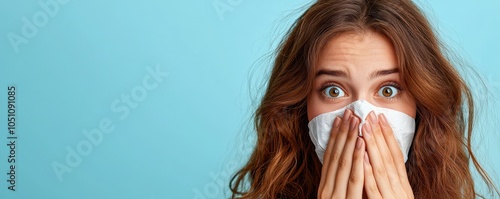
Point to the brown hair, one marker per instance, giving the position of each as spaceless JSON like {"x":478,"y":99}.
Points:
{"x":284,"y":164}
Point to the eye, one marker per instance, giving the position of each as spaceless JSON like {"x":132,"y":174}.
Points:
{"x":333,"y":92}
{"x":388,"y":91}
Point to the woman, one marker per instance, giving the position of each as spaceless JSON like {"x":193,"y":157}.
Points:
{"x":345,"y":54}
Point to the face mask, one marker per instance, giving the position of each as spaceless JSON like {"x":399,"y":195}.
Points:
{"x":402,"y":125}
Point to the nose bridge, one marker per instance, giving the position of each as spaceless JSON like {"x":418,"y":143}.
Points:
{"x":358,"y":86}
{"x":362,"y":94}
{"x":362,"y":98}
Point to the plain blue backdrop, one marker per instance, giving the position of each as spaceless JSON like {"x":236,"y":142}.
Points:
{"x":152,"y":99}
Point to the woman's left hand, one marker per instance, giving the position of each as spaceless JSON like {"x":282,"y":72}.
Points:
{"x":384,"y":167}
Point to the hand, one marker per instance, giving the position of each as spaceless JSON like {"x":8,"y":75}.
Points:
{"x":342,"y":172}
{"x":384,"y":168}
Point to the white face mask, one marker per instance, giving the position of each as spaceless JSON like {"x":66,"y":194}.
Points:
{"x":402,"y":125}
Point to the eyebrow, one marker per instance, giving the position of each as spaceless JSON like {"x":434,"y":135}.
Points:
{"x":335,"y":73}
{"x":339,"y":73}
{"x":384,"y":73}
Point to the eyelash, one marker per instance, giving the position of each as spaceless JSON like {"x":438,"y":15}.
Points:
{"x":326,"y":85}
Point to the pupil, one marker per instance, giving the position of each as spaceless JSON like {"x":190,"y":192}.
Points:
{"x":334,"y":92}
{"x":387,"y":92}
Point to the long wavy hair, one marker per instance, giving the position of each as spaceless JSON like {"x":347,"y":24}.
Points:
{"x":284,"y":163}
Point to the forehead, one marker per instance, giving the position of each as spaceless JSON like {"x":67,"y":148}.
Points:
{"x":357,"y":52}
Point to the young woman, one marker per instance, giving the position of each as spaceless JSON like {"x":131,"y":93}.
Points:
{"x":341,"y":58}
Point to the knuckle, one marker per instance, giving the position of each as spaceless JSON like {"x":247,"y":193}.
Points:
{"x":380,"y":171}
{"x":389,"y":160}
{"x":355,"y":157}
{"x":353,"y":179}
{"x":393,"y":178}
{"x":335,"y":156}
{"x":342,"y":163}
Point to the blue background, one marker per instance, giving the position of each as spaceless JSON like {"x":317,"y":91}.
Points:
{"x":185,"y":137}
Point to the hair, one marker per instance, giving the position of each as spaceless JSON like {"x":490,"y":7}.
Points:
{"x":284,"y":164}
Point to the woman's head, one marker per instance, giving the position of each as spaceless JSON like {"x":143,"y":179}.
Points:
{"x":358,"y":66}
{"x":364,"y":44}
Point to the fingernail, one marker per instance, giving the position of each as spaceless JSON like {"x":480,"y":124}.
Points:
{"x":383,"y":119}
{"x":336,"y":122}
{"x":373,"y":117}
{"x":354,"y":123}
{"x":368,"y":127}
{"x":347,"y":115}
{"x":358,"y":143}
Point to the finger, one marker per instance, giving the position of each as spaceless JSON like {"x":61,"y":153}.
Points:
{"x":370,"y":184}
{"x":345,"y":161}
{"x":336,"y":151}
{"x":386,"y":155}
{"x":376,"y":162}
{"x":392,"y":144}
{"x":331,"y":141}
{"x":379,"y":137}
{"x":326,"y":157}
{"x":396,"y":152}
{"x":356,"y":178}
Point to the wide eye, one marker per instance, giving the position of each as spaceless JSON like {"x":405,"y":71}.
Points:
{"x":333,"y":92}
{"x":388,"y":91}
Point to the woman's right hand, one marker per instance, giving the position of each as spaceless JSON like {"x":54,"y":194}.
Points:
{"x":342,"y":173}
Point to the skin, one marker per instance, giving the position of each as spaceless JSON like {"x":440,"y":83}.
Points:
{"x":352,"y":67}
